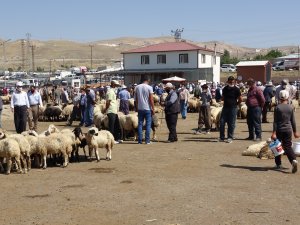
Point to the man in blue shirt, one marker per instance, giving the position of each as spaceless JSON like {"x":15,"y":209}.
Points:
{"x":124,"y":96}
{"x":35,"y":101}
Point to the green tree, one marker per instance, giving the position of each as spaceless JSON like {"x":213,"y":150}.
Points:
{"x":39,"y":69}
{"x":10,"y":70}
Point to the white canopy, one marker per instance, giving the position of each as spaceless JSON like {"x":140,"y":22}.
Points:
{"x":174,"y":79}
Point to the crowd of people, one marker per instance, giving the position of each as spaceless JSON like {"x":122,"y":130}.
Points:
{"x":257,"y":97}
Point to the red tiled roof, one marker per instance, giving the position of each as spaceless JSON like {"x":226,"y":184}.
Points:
{"x":169,"y":47}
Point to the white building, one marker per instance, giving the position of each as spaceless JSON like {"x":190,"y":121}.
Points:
{"x":165,"y":60}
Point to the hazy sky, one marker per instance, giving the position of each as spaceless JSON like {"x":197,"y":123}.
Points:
{"x":255,"y":23}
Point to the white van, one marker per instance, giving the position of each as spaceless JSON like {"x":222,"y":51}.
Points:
{"x":228,"y":68}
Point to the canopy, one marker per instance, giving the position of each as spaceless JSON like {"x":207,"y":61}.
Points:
{"x":174,"y":79}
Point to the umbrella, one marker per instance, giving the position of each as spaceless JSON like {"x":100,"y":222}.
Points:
{"x":174,"y":79}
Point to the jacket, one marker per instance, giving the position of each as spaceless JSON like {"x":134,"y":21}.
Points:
{"x":172,"y":104}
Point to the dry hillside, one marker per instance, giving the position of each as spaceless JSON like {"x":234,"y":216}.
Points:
{"x":105,"y":52}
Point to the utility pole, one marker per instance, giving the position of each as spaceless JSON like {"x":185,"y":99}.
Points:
{"x":23,"y":53}
{"x":298,"y":61}
{"x":32,"y":57}
{"x":91,"y":56}
{"x":28,"y":36}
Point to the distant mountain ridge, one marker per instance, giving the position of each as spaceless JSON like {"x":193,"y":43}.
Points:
{"x":58,"y":53}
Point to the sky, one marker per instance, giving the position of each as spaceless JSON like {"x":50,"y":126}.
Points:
{"x":255,"y":23}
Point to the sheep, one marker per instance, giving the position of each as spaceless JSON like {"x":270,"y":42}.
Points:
{"x":99,"y":139}
{"x":156,"y":99}
{"x":193,"y":105}
{"x":98,"y":117}
{"x":79,"y":136}
{"x":6,"y":99}
{"x":67,"y":111}
{"x":260,"y":150}
{"x":216,"y":116}
{"x":32,"y":138}
{"x":242,"y":110}
{"x":295,"y":104}
{"x":41,"y":113}
{"x":10,"y":148}
{"x":52,"y":112}
{"x":131,"y":104}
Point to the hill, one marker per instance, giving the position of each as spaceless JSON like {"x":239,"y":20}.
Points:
{"x":59,"y":54}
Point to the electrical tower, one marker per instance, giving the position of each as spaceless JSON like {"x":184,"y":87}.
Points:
{"x":23,"y":54}
{"x":177,"y":34}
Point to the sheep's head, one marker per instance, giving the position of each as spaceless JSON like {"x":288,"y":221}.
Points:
{"x":93,"y":131}
{"x":77,"y":131}
{"x":52,"y":129}
{"x":2,"y":134}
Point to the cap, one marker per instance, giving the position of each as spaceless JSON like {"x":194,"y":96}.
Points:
{"x":169,"y":85}
{"x":270,"y":83}
{"x":205,"y":86}
{"x":123,"y":86}
{"x":283,"y":94}
{"x":19,"y":84}
{"x":284,"y":82}
{"x":115,"y":82}
{"x":258,"y":83}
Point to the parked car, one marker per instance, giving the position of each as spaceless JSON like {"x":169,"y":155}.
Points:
{"x":228,"y":68}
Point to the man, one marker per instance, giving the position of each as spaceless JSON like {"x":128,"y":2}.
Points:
{"x":76,"y":108}
{"x":64,"y":97}
{"x":19,"y":106}
{"x":204,"y":112}
{"x":144,"y":105}
{"x":112,"y":111}
{"x":255,"y":102}
{"x":82,"y":104}
{"x":284,"y":86}
{"x":57,"y":95}
{"x":89,"y":107}
{"x":172,"y":108}
{"x":35,"y":101}
{"x":268,"y":94}
{"x":231,"y":96}
{"x":124,"y":96}
{"x":184,"y":96}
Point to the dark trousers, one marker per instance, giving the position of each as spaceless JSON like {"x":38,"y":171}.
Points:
{"x":286,"y":141}
{"x":82,"y":109}
{"x":254,"y":121}
{"x":124,"y":106}
{"x":265,"y":110}
{"x":75,"y":113}
{"x":204,"y":117}
{"x":171,"y":120}
{"x":228,"y":115}
{"x":114,"y":125}
{"x":20,"y":118}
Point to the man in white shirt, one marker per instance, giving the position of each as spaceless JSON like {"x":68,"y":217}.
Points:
{"x":19,"y":106}
{"x":35,"y":101}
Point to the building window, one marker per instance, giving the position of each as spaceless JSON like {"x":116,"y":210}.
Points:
{"x":183,"y":58}
{"x":161,"y":59}
{"x":145,"y":59}
{"x":203,"y":58}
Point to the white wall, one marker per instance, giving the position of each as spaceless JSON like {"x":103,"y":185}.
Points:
{"x":216,"y":70}
{"x":132,"y":61}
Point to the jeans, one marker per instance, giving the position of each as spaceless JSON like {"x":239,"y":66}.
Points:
{"x":89,"y":111}
{"x":228,"y":116}
{"x":82,"y":109}
{"x":144,"y":115}
{"x":183,"y":108}
{"x":114,"y":125}
{"x":286,"y":142}
{"x":254,"y":121}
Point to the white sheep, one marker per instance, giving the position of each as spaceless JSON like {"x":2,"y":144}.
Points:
{"x":10,"y":148}
{"x":99,"y":139}
{"x":216,"y":116}
{"x":295,"y":104}
{"x":260,"y":150}
{"x":67,"y":111}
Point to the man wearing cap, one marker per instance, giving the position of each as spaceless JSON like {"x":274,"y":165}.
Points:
{"x":35,"y":101}
{"x":124,"y":96}
{"x":112,"y":111}
{"x":284,"y":86}
{"x":255,"y":102}
{"x":283,"y":128}
{"x":19,"y":106}
{"x":144,"y":105}
{"x":172,"y":108}
{"x":231,"y":95}
{"x":268,"y":94}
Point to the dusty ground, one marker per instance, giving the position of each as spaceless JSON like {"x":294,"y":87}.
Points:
{"x":194,"y":181}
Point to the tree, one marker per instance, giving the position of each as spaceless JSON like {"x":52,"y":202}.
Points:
{"x":10,"y":70}
{"x":39,"y":69}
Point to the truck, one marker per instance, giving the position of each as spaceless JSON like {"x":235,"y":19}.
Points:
{"x":290,"y":64}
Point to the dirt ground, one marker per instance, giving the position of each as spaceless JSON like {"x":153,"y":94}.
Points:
{"x":194,"y":181}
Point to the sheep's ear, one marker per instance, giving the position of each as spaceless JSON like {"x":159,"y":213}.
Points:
{"x":96,"y":134}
